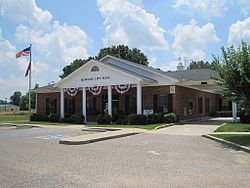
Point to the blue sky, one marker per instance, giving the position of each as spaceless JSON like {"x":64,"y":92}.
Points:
{"x":61,"y":31}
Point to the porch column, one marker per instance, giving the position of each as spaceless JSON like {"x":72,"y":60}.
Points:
{"x":84,"y":104}
{"x":234,"y":110}
{"x":62,"y":103}
{"x":110,"y":100}
{"x":139,"y":98}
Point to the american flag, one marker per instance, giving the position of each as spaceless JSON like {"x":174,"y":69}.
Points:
{"x":25,"y":52}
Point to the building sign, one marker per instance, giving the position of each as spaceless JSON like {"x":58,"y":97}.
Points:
{"x":172,"y":89}
{"x":148,"y":112}
{"x":95,"y":78}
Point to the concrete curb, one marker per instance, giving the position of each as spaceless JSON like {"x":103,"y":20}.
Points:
{"x":20,"y":126}
{"x":231,"y":144}
{"x":163,"y":126}
{"x":67,"y":142}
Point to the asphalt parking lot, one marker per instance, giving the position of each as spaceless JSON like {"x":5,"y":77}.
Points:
{"x":27,"y":159}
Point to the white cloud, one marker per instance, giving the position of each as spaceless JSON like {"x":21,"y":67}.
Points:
{"x":126,"y":22}
{"x":53,"y":44}
{"x":23,"y":11}
{"x":206,"y":8}
{"x":10,"y":82}
{"x":245,"y":7}
{"x":171,"y":66}
{"x":152,"y":61}
{"x":239,"y":31}
{"x":191,"y":40}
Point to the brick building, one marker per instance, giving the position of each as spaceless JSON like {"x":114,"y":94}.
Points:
{"x":113,"y":85}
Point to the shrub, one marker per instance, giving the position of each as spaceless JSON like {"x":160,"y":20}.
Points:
{"x":35,"y":117}
{"x":135,"y":119}
{"x":122,"y":121}
{"x":151,"y":119}
{"x":104,"y":119}
{"x":77,"y":119}
{"x":244,"y":117}
{"x":54,"y":117}
{"x":118,"y":116}
{"x":170,"y":118}
{"x":38,"y":117}
{"x":223,"y":114}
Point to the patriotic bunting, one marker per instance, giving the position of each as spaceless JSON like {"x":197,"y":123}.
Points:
{"x":123,"y":88}
{"x":71,"y":91}
{"x":96,"y":90}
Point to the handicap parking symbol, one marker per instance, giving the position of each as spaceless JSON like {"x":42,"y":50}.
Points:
{"x":47,"y":137}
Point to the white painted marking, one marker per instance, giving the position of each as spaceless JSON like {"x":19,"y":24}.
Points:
{"x":153,"y":152}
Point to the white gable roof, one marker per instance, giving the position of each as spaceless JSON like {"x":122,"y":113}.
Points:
{"x":114,"y":71}
{"x":139,"y":70}
{"x":107,"y":75}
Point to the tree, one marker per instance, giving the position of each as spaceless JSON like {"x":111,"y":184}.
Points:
{"x":200,"y":65}
{"x":15,"y":98}
{"x":120,"y":51}
{"x":233,"y":68}
{"x":73,"y":66}
{"x":123,"y":52}
{"x":24,"y":100}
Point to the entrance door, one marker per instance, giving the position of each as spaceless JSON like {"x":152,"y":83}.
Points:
{"x":115,"y":103}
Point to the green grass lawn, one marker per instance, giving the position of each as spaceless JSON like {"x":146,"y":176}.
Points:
{"x":13,"y":117}
{"x":23,"y":118}
{"x":148,"y":127}
{"x":234,"y":127}
{"x":236,"y":138}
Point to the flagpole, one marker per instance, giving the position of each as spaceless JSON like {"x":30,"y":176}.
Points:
{"x":30,"y":82}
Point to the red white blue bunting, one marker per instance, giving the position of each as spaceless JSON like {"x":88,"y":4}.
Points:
{"x":123,"y":88}
{"x":96,"y":90}
{"x":71,"y":91}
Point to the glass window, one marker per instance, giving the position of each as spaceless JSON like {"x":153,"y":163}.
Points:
{"x":94,"y":69}
{"x":161,"y":103}
{"x":130,"y":104}
{"x":69,"y":106}
{"x":207,"y":105}
{"x":190,"y":107}
{"x":51,"y":106}
{"x":200,"y":107}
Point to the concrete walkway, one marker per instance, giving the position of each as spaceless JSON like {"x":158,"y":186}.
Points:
{"x":194,"y":128}
{"x":100,"y":136}
{"x":245,"y":133}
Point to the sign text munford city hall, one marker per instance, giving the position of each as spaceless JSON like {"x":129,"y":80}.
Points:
{"x":95,"y":78}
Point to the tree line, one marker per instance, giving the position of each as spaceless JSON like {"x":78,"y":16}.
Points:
{"x":23,"y":100}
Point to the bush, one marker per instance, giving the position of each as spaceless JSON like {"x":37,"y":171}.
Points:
{"x":122,"y":121}
{"x":77,"y":119}
{"x":118,"y":116}
{"x":135,"y":119}
{"x":223,"y":114}
{"x":155,"y":118}
{"x":170,"y":118}
{"x":54,"y":118}
{"x":244,"y":117}
{"x":38,"y":117}
{"x":104,"y":119}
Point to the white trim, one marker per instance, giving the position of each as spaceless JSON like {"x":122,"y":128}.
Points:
{"x":110,"y":100}
{"x":84,"y":104}
{"x":58,"y":84}
{"x":139,"y":98}
{"x":62,"y":103}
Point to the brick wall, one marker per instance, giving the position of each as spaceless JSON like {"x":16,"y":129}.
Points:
{"x":184,"y":95}
{"x":41,"y":101}
{"x":180,"y":100}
